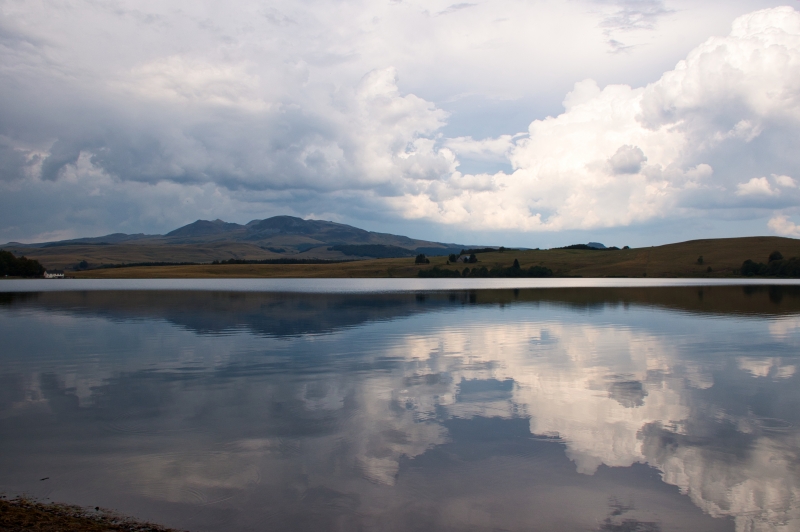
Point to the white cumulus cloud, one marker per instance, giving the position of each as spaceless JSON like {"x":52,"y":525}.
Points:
{"x":784,"y":226}
{"x":621,"y":155}
{"x":784,"y":181}
{"x":757,"y":185}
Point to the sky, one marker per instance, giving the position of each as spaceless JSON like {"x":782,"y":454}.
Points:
{"x":531,"y":123}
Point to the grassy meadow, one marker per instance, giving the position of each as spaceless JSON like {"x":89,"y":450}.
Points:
{"x":64,"y":257}
{"x":723,"y":256}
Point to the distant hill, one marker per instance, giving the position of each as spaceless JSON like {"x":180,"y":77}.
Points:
{"x":204,"y":228}
{"x":279,"y":237}
{"x":708,"y":258}
{"x":114,"y":238}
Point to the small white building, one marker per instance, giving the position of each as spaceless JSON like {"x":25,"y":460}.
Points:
{"x":54,"y":274}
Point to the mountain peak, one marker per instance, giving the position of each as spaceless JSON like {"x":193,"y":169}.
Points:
{"x":204,"y":228}
{"x":285,"y":225}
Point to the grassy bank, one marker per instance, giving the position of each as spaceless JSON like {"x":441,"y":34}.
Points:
{"x":723,"y":256}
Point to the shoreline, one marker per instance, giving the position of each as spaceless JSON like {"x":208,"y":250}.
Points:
{"x":364,"y":286}
{"x":22,"y":513}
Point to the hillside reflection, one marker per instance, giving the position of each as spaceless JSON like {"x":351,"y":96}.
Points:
{"x":288,"y":314}
{"x":605,"y":409}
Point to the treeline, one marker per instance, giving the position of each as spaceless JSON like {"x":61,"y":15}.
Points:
{"x":84,"y":266}
{"x":776,"y":266}
{"x":591,"y":248}
{"x":279,"y":261}
{"x":501,"y":249}
{"x":513,"y":271}
{"x":11,"y":266}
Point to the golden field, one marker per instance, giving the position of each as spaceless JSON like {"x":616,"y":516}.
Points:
{"x":724,"y":256}
{"x":65,"y":257}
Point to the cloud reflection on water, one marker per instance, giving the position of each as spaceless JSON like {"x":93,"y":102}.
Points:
{"x":440,"y":412}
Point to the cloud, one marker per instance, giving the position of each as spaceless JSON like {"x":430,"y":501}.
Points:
{"x":627,"y":160}
{"x":275,"y":111}
{"x":194,"y":81}
{"x":757,"y":185}
{"x":616,"y":46}
{"x":585,"y":168}
{"x":15,"y":163}
{"x":783,"y":226}
{"x":495,"y":149}
{"x":456,"y":7}
{"x":628,"y":16}
{"x":784,"y":181}
{"x":634,"y":14}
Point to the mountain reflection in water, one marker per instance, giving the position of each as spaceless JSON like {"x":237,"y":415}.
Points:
{"x":635,"y":409}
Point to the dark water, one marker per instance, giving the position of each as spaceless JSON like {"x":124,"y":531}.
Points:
{"x":616,"y":409}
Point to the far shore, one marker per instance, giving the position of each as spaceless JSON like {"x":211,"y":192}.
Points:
{"x":712,"y":258}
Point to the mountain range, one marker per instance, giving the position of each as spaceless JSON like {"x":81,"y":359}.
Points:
{"x":279,"y":237}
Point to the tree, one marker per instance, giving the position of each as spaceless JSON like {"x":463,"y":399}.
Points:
{"x":539,"y":271}
{"x":775,"y":255}
{"x":19,"y":267}
{"x":421,"y":259}
{"x":516,"y":265}
{"x":7,"y":263}
{"x":700,"y":259}
{"x":473,"y":259}
{"x":438,"y":272}
{"x":751,"y":268}
{"x":453,"y":257}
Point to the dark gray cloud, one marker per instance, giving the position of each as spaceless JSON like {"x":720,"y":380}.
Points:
{"x":627,"y":160}
{"x":12,"y":163}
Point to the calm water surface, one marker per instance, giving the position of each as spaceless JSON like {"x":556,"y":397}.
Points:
{"x":616,"y":409}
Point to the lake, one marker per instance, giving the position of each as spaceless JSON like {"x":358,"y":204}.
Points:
{"x":570,"y":405}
